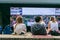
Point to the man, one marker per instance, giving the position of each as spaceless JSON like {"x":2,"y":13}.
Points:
{"x":38,"y":28}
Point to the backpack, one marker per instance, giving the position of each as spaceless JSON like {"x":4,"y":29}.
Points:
{"x":7,"y":30}
{"x":1,"y":29}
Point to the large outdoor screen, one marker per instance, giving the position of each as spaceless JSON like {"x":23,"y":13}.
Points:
{"x":29,"y":13}
{"x":34,"y":11}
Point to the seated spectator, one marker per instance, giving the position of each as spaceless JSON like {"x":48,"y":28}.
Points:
{"x":19,"y":27}
{"x":53,"y":27}
{"x":38,"y":28}
{"x":12,"y":22}
{"x":42,"y":21}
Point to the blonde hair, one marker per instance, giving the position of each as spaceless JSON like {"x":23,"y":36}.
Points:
{"x":19,"y":19}
{"x":53,"y":18}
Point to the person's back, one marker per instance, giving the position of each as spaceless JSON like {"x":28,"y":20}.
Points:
{"x":54,"y":26}
{"x":38,"y":29}
{"x":20,"y":28}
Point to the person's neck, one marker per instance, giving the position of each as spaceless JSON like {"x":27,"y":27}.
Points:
{"x":18,"y":23}
{"x":38,"y":22}
{"x":41,"y":20}
{"x":53,"y":21}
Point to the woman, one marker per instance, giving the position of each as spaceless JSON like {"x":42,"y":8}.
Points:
{"x":19,"y":27}
{"x":53,"y":27}
{"x":42,"y":21}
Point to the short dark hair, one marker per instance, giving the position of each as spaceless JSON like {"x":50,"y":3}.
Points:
{"x":37,"y":19}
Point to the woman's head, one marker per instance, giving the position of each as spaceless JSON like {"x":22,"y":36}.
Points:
{"x":19,"y":19}
{"x":53,"y":19}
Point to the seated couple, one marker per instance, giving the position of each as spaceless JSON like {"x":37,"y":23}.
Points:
{"x":39,"y":27}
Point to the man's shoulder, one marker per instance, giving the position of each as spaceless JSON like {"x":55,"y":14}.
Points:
{"x":38,"y":25}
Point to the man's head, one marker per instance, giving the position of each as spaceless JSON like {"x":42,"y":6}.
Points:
{"x":37,"y":19}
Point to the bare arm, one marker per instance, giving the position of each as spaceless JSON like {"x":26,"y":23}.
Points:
{"x":14,"y":26}
{"x":24,"y":28}
{"x":49,"y":29}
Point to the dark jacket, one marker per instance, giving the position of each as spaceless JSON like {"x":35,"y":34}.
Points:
{"x":38,"y":29}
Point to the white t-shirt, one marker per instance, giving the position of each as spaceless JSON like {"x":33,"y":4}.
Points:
{"x":54,"y":25}
{"x":20,"y":28}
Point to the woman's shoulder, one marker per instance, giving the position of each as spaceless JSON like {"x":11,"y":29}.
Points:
{"x":22,"y":24}
{"x":50,"y":21}
{"x":14,"y":24}
{"x":56,"y":22}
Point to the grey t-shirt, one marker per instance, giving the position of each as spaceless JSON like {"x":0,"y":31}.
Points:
{"x":38,"y":29}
